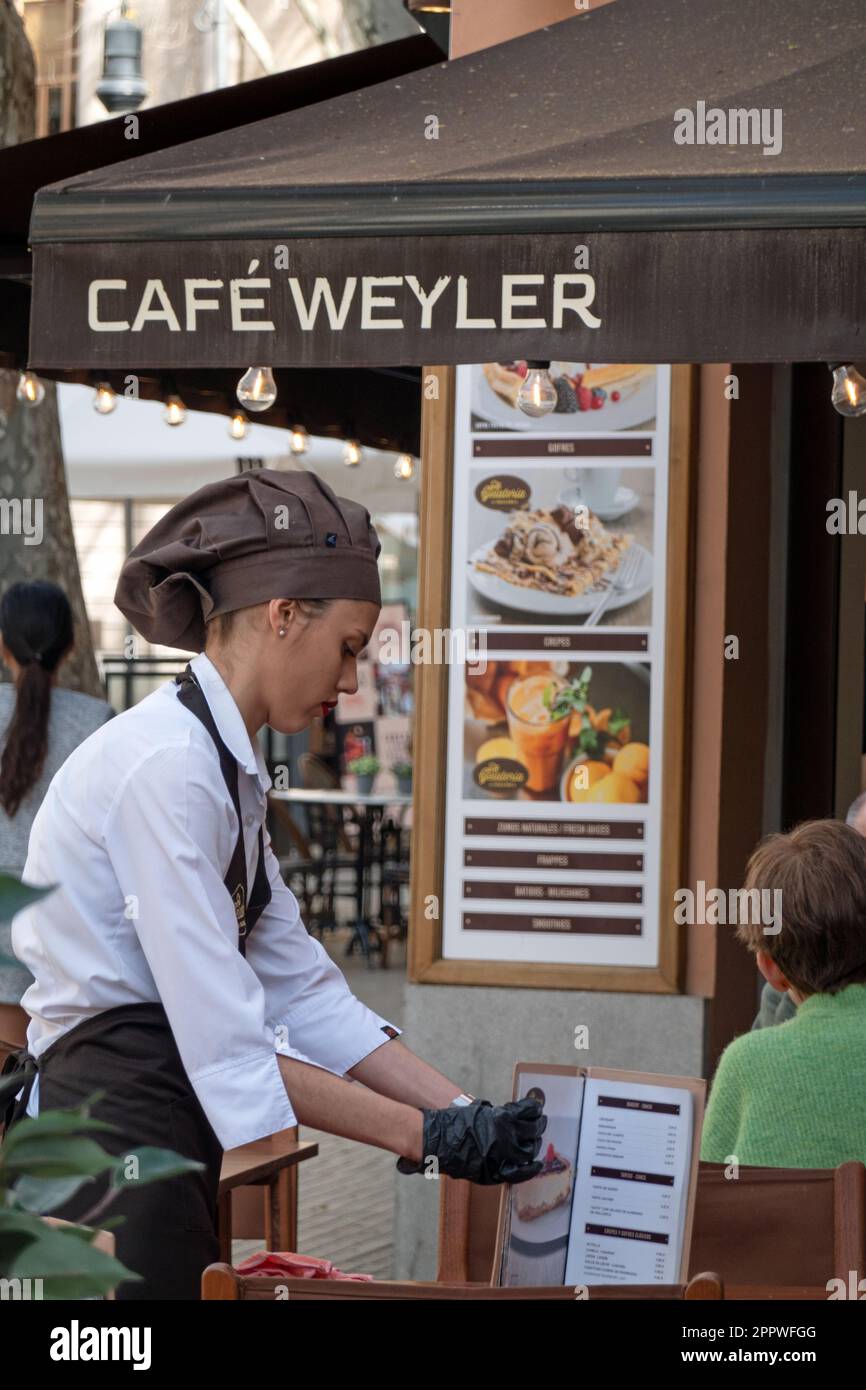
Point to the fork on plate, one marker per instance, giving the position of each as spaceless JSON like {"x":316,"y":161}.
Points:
{"x":624,"y":577}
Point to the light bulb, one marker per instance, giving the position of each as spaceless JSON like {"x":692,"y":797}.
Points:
{"x":352,"y":453}
{"x":104,"y":398}
{"x":239,"y":425}
{"x":300,"y":440}
{"x":849,"y":390}
{"x":30,"y":390}
{"x":175,"y":411}
{"x":257,"y":389}
{"x":404,"y":467}
{"x":537,"y":394}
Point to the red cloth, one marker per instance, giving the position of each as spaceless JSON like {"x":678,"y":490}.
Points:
{"x":291,"y":1266}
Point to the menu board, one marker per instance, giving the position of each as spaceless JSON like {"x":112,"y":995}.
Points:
{"x":553,"y":787}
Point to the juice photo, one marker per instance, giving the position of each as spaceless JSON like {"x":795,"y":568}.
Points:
{"x":539,"y":738}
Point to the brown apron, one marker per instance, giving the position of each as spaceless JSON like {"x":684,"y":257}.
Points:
{"x":169,"y":1233}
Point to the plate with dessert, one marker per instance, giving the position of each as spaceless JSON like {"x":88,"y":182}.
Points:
{"x":591,"y":396}
{"x":552,"y":561}
{"x":541,"y":1207}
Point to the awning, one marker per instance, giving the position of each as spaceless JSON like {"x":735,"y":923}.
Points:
{"x":382,"y":410}
{"x":562,"y":195}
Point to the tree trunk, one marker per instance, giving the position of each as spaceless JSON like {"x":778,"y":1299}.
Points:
{"x":36,"y":538}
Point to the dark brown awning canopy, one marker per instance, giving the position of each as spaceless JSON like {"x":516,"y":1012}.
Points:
{"x":561,"y":195}
{"x":381,"y":407}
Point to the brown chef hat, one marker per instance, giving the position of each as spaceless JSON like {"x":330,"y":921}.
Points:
{"x":242,"y":541}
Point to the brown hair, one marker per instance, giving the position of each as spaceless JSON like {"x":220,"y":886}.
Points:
{"x":820,"y":870}
{"x":36,"y":623}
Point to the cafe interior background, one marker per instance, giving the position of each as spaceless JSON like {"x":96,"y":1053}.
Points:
{"x":754,"y":741}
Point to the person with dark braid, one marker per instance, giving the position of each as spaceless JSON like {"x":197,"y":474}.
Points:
{"x":39,"y":727}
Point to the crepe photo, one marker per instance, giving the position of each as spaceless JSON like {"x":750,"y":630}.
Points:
{"x":569,"y":545}
{"x":591,"y":397}
{"x":558,"y":731}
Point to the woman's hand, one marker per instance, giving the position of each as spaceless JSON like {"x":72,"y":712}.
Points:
{"x":481,"y":1142}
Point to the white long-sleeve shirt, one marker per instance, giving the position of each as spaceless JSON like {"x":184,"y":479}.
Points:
{"x":138,"y":829}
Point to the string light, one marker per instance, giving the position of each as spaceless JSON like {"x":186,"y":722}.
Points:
{"x":299,"y":442}
{"x":175,"y":411}
{"x":104,"y":398}
{"x":404,"y":467}
{"x":537,"y":394}
{"x":849,"y":389}
{"x":257,"y":389}
{"x":30,"y":390}
{"x":352,"y":453}
{"x":239,"y":425}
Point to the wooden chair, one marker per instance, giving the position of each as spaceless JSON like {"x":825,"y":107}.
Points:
{"x":780,"y":1232}
{"x":220,"y":1281}
{"x":800,"y":1226}
{"x":270,"y":1163}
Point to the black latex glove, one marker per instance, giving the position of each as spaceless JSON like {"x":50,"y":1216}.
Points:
{"x":482,"y":1142}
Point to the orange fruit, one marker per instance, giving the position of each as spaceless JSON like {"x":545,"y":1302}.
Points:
{"x":498,"y":748}
{"x":633,"y":761}
{"x":614,"y":787}
{"x":583,"y":778}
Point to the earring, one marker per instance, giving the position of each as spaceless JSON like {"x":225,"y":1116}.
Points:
{"x":282,"y":632}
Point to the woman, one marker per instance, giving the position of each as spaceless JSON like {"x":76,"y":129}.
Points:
{"x":171,"y":966}
{"x":39,"y":728}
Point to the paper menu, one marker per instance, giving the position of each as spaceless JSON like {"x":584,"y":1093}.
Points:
{"x":614,"y":1202}
{"x":629,"y":1206}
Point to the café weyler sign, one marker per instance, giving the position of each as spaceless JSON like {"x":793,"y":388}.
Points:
{"x":362,"y":301}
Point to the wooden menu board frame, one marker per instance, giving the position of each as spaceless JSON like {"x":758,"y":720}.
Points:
{"x":426,"y":963}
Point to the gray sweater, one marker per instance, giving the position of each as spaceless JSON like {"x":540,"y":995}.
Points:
{"x":72,"y":719}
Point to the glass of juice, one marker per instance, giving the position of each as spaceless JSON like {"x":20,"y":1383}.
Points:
{"x":540,"y":738}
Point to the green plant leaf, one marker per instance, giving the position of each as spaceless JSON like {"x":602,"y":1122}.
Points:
{"x":153,"y":1166}
{"x":56,"y":1156}
{"x":16,"y":1231}
{"x":618,"y":721}
{"x":44,"y":1194}
{"x":15,"y":896}
{"x":566,"y":698}
{"x":67,"y":1264}
{"x":55,"y":1122}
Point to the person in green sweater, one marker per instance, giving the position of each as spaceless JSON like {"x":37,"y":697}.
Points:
{"x":776,"y":1005}
{"x":794,"y":1096}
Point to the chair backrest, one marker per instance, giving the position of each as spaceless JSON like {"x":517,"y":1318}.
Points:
{"x":769,"y":1226}
{"x":772,"y":1225}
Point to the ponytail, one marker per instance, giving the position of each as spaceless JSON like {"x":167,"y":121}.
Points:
{"x":36,"y":626}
